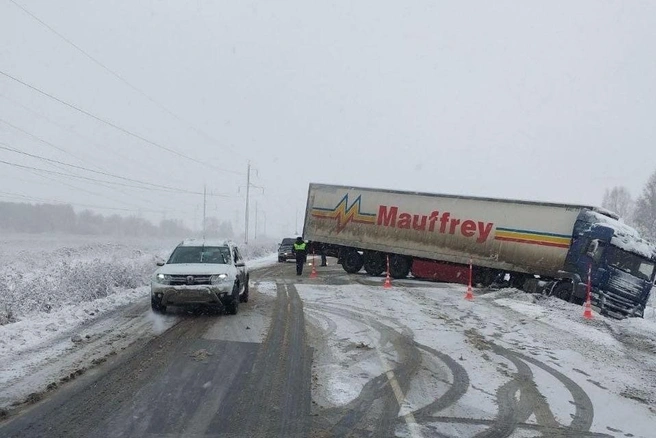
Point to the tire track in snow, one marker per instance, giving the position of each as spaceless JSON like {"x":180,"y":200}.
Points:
{"x":512,"y":415}
{"x":378,"y":405}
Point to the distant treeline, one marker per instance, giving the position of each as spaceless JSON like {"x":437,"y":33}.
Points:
{"x":51,"y":218}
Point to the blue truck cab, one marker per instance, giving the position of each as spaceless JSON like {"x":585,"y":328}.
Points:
{"x":621,"y":265}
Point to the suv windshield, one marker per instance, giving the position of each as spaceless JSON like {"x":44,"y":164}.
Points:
{"x":201,"y":254}
{"x":631,"y":263}
{"x":288,"y":241}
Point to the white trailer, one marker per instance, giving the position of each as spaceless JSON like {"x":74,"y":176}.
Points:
{"x":497,"y":235}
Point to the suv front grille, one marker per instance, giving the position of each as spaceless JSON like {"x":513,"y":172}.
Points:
{"x":177,"y":280}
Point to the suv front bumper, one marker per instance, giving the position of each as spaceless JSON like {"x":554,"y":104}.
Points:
{"x":197,"y":294}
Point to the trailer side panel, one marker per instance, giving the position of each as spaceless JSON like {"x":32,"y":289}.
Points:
{"x":502,"y":234}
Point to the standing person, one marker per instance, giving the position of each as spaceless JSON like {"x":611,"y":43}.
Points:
{"x":300,"y":251}
{"x":322,"y":252}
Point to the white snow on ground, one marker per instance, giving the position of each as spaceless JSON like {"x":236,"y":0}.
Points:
{"x":614,"y":362}
{"x":263,"y":261}
{"x":267,"y":288}
{"x":63,"y":303}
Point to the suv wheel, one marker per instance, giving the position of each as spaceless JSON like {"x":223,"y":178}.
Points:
{"x":233,"y":306}
{"x":244,"y":296}
{"x":157,"y":306}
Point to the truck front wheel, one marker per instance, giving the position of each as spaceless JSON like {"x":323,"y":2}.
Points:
{"x":399,"y":266}
{"x":563,"y":290}
{"x":352,"y":262}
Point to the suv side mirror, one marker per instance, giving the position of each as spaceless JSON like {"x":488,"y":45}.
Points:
{"x":160,"y":263}
{"x":240,"y":264}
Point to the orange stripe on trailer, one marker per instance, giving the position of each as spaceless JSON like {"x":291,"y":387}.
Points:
{"x":533,"y":242}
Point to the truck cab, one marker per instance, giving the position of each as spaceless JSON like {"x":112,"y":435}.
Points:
{"x":622,"y":265}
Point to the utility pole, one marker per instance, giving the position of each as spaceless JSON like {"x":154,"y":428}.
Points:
{"x":204,"y":207}
{"x":248,"y":195}
{"x":256,"y":222}
{"x":248,"y":189}
{"x":195,"y":224}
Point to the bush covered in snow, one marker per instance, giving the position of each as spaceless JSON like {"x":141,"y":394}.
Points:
{"x":258,"y":249}
{"x":69,"y":280}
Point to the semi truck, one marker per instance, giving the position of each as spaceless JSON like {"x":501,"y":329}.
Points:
{"x":542,"y":247}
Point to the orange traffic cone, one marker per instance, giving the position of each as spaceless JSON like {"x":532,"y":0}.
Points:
{"x":470,"y":294}
{"x":587,"y":313}
{"x":388,"y":282}
{"x":313,"y":274}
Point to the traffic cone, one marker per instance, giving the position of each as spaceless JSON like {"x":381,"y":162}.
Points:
{"x":313,"y":274}
{"x":388,"y":282}
{"x":470,"y":293}
{"x":587,"y":312}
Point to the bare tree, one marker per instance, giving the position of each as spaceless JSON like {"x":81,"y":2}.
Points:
{"x":618,"y":199}
{"x":645,"y":211}
{"x":216,"y":228}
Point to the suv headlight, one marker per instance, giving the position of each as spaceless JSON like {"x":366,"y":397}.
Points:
{"x":162,"y":279}
{"x":219,"y":278}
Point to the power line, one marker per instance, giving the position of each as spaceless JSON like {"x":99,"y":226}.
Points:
{"x":32,"y":198}
{"x":89,"y":191}
{"x":66,"y":128}
{"x":8,"y":148}
{"x":51,"y":178}
{"x":102,"y":181}
{"x":113,"y":125}
{"x":120,"y":78}
{"x":44,"y":141}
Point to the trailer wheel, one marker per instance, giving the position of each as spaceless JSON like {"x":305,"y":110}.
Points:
{"x":517,"y":280}
{"x":484,"y":276}
{"x":374,"y":263}
{"x":399,"y":266}
{"x":352,"y":262}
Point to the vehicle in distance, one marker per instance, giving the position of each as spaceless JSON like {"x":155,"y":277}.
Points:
{"x":285,"y":250}
{"x":201,"y":273}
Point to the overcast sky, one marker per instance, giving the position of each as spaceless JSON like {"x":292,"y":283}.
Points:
{"x":550,"y":101}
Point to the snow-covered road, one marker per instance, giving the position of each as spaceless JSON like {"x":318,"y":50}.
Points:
{"x":505,"y":364}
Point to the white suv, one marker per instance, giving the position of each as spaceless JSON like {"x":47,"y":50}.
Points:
{"x":201,"y":272}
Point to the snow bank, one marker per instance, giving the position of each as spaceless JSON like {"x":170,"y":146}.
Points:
{"x":39,"y":328}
